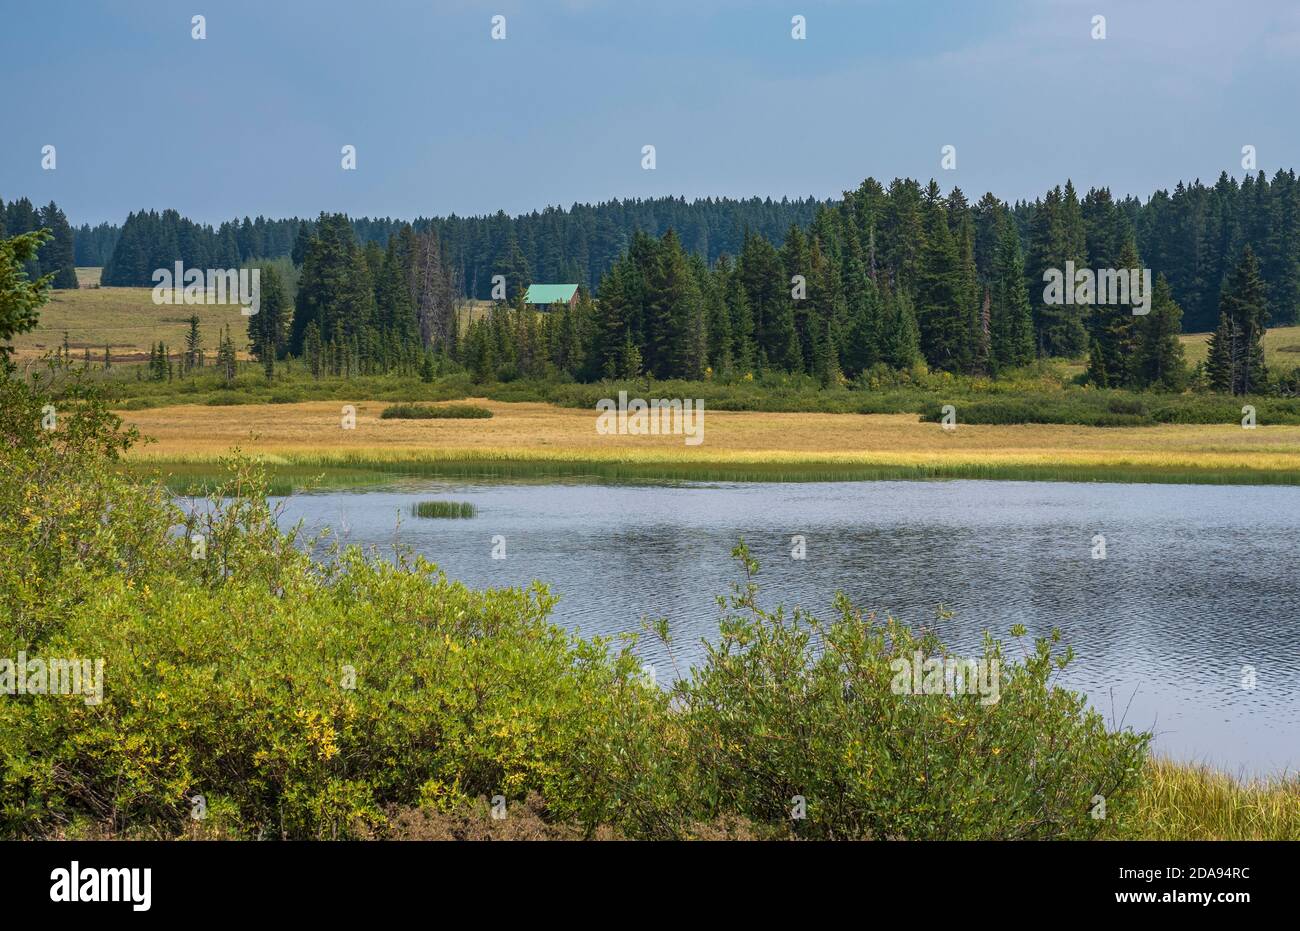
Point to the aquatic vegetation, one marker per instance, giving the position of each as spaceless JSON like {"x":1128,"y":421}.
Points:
{"x":455,"y":509}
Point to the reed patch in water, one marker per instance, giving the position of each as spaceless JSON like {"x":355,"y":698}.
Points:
{"x":450,"y":509}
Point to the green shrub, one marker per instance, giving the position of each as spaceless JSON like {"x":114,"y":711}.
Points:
{"x":788,"y":706}
{"x":1127,"y":405}
{"x":311,"y":696}
{"x":426,"y":412}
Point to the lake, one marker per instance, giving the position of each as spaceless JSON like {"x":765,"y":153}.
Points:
{"x":1197,"y":581}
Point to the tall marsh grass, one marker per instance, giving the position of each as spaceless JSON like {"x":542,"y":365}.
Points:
{"x":439,"y":464}
{"x":1179,"y":801}
{"x":451,"y":509}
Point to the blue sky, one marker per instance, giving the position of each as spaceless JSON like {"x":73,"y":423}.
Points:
{"x":251,"y":120}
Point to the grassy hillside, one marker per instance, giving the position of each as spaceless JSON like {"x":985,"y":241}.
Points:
{"x":129,"y":321}
{"x":125,"y":319}
{"x":1281,"y":347}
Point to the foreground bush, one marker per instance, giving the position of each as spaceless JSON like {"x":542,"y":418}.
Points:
{"x":790,"y":706}
{"x":278,"y":696}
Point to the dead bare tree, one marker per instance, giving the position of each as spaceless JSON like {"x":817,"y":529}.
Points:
{"x":434,"y":292}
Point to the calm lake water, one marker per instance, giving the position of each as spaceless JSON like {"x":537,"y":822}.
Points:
{"x":1198,"y":581}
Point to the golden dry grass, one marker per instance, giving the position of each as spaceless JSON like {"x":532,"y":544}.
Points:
{"x":125,"y":319}
{"x":523,"y":432}
{"x":129,"y":321}
{"x":1281,"y":347}
{"x":1189,"y":802}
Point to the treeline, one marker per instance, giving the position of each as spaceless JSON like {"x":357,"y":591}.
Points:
{"x":579,"y":245}
{"x":150,"y":240}
{"x":1196,"y":235}
{"x":56,"y":256}
{"x":95,"y":244}
{"x":885,"y":278}
{"x":573,"y":246}
{"x":1193,"y":236}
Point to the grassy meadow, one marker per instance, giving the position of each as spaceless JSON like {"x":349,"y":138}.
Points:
{"x":776,"y":430}
{"x":529,"y":438}
{"x":124,"y":319}
{"x":1281,"y":347}
{"x":129,"y":322}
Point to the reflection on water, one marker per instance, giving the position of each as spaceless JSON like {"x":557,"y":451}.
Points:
{"x":1198,"y":582}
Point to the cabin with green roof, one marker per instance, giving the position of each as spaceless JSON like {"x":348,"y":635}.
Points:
{"x":542,"y":296}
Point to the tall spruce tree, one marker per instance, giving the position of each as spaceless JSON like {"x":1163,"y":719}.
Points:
{"x":1058,"y":327}
{"x":942,"y":293}
{"x":1235,"y":363}
{"x":1113,"y":327}
{"x":1160,"y":361}
{"x":20,"y":296}
{"x":268,"y":329}
{"x":1011,"y":325}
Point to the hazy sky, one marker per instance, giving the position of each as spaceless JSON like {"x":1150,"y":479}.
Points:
{"x":251,"y":120}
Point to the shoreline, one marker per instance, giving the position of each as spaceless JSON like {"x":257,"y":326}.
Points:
{"x":338,"y":471}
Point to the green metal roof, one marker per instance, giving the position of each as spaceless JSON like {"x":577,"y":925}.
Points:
{"x":550,"y":293}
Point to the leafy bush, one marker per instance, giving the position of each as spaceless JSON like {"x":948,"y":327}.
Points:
{"x":789,"y":706}
{"x":445,"y":412}
{"x":1093,"y":408}
{"x":312,"y":697}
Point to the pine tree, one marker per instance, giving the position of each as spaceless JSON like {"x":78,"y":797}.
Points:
{"x":613,"y":323}
{"x":941,"y":292}
{"x":512,"y":263}
{"x":795,"y":260}
{"x":226,"y":359}
{"x":1058,"y":328}
{"x":863,"y":341}
{"x":677,"y":345}
{"x":902,"y":344}
{"x":20,"y":297}
{"x":1236,"y":358}
{"x":767,"y":292}
{"x":268,"y":329}
{"x":740,"y":316}
{"x":1160,"y":352}
{"x":1113,"y":330}
{"x":1011,"y":327}
{"x":313,"y":350}
{"x":193,"y":342}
